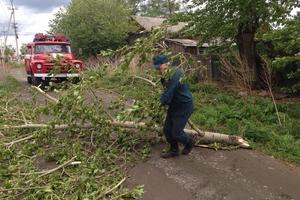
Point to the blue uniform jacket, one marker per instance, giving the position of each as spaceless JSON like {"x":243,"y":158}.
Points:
{"x":176,"y":94}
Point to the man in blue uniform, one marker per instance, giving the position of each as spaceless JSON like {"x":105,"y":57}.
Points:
{"x":178,"y":97}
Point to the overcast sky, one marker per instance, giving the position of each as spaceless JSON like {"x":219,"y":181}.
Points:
{"x":32,"y":16}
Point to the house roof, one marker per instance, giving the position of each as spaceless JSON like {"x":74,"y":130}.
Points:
{"x":152,"y":22}
{"x":187,"y":42}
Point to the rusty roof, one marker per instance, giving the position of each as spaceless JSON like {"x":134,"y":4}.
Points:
{"x":187,"y":42}
{"x":153,"y":22}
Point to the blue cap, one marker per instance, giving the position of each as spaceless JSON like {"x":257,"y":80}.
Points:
{"x":158,"y":60}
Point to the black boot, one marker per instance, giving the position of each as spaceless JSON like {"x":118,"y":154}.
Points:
{"x":169,"y":154}
{"x":188,"y":147}
{"x":173,"y":152}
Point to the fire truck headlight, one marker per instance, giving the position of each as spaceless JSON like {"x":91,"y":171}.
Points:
{"x":77,"y":65}
{"x":39,"y":66}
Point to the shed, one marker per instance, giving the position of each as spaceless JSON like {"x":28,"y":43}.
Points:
{"x":199,"y":54}
{"x":187,"y":46}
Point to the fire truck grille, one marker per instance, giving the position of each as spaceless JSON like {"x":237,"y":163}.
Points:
{"x":63,"y":68}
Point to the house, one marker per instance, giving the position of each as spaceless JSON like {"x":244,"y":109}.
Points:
{"x":146,"y":24}
{"x":187,"y":46}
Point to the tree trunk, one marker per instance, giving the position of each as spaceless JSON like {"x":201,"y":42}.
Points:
{"x":205,"y":136}
{"x":247,"y":50}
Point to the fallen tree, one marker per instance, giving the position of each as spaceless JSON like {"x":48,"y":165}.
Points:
{"x":204,"y":136}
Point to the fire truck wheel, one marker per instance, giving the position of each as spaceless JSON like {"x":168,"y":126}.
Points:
{"x":75,"y":80}
{"x":63,"y":79}
{"x":29,"y":80}
{"x":36,"y":81}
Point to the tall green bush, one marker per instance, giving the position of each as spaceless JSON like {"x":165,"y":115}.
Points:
{"x":282,"y":46}
{"x":93,"y":25}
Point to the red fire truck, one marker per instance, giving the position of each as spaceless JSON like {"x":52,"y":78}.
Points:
{"x":49,"y":57}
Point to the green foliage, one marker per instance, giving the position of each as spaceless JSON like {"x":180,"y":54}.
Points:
{"x":225,"y":24}
{"x":135,"y":5}
{"x":153,"y":8}
{"x":104,"y":150}
{"x":9,"y":50}
{"x":23,"y":48}
{"x":160,"y":8}
{"x":253,"y":118}
{"x":225,"y":20}
{"x":282,"y":47}
{"x":93,"y":25}
{"x":145,"y":48}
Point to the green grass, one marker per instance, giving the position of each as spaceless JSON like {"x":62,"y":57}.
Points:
{"x":253,"y":118}
{"x":8,"y":85}
{"x":15,"y":64}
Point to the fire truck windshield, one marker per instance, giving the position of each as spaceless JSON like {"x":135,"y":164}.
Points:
{"x":52,"y":48}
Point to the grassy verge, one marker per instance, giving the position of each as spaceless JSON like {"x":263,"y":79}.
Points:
{"x":253,"y":118}
{"x":16,"y":64}
{"x":8,"y":85}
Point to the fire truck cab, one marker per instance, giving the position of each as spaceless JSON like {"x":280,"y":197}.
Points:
{"x":49,"y":57}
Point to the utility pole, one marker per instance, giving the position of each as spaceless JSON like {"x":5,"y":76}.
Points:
{"x":14,"y":25}
{"x":2,"y":48}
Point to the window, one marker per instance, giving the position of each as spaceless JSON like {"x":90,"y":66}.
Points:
{"x":52,"y":48}
{"x":202,"y":51}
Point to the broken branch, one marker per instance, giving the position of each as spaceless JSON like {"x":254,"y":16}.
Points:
{"x":57,"y":168}
{"x":18,"y":141}
{"x":112,"y":189}
{"x":145,"y":79}
{"x":54,"y":100}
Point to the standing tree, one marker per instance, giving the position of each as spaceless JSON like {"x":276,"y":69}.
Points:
{"x":160,"y":8}
{"x":135,"y":5}
{"x":23,"y":49}
{"x":9,"y":52}
{"x":281,"y":47}
{"x":93,"y":25}
{"x":236,"y":22}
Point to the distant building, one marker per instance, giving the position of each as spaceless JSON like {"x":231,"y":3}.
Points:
{"x":187,"y":46}
{"x":146,"y":24}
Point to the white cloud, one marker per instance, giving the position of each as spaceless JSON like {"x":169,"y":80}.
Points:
{"x":295,"y":11}
{"x":39,"y":5}
{"x":30,"y":23}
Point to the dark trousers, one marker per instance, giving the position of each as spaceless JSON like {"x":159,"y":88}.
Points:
{"x":174,"y":125}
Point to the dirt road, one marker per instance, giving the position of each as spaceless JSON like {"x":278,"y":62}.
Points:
{"x":215,"y":175}
{"x":212,"y":175}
